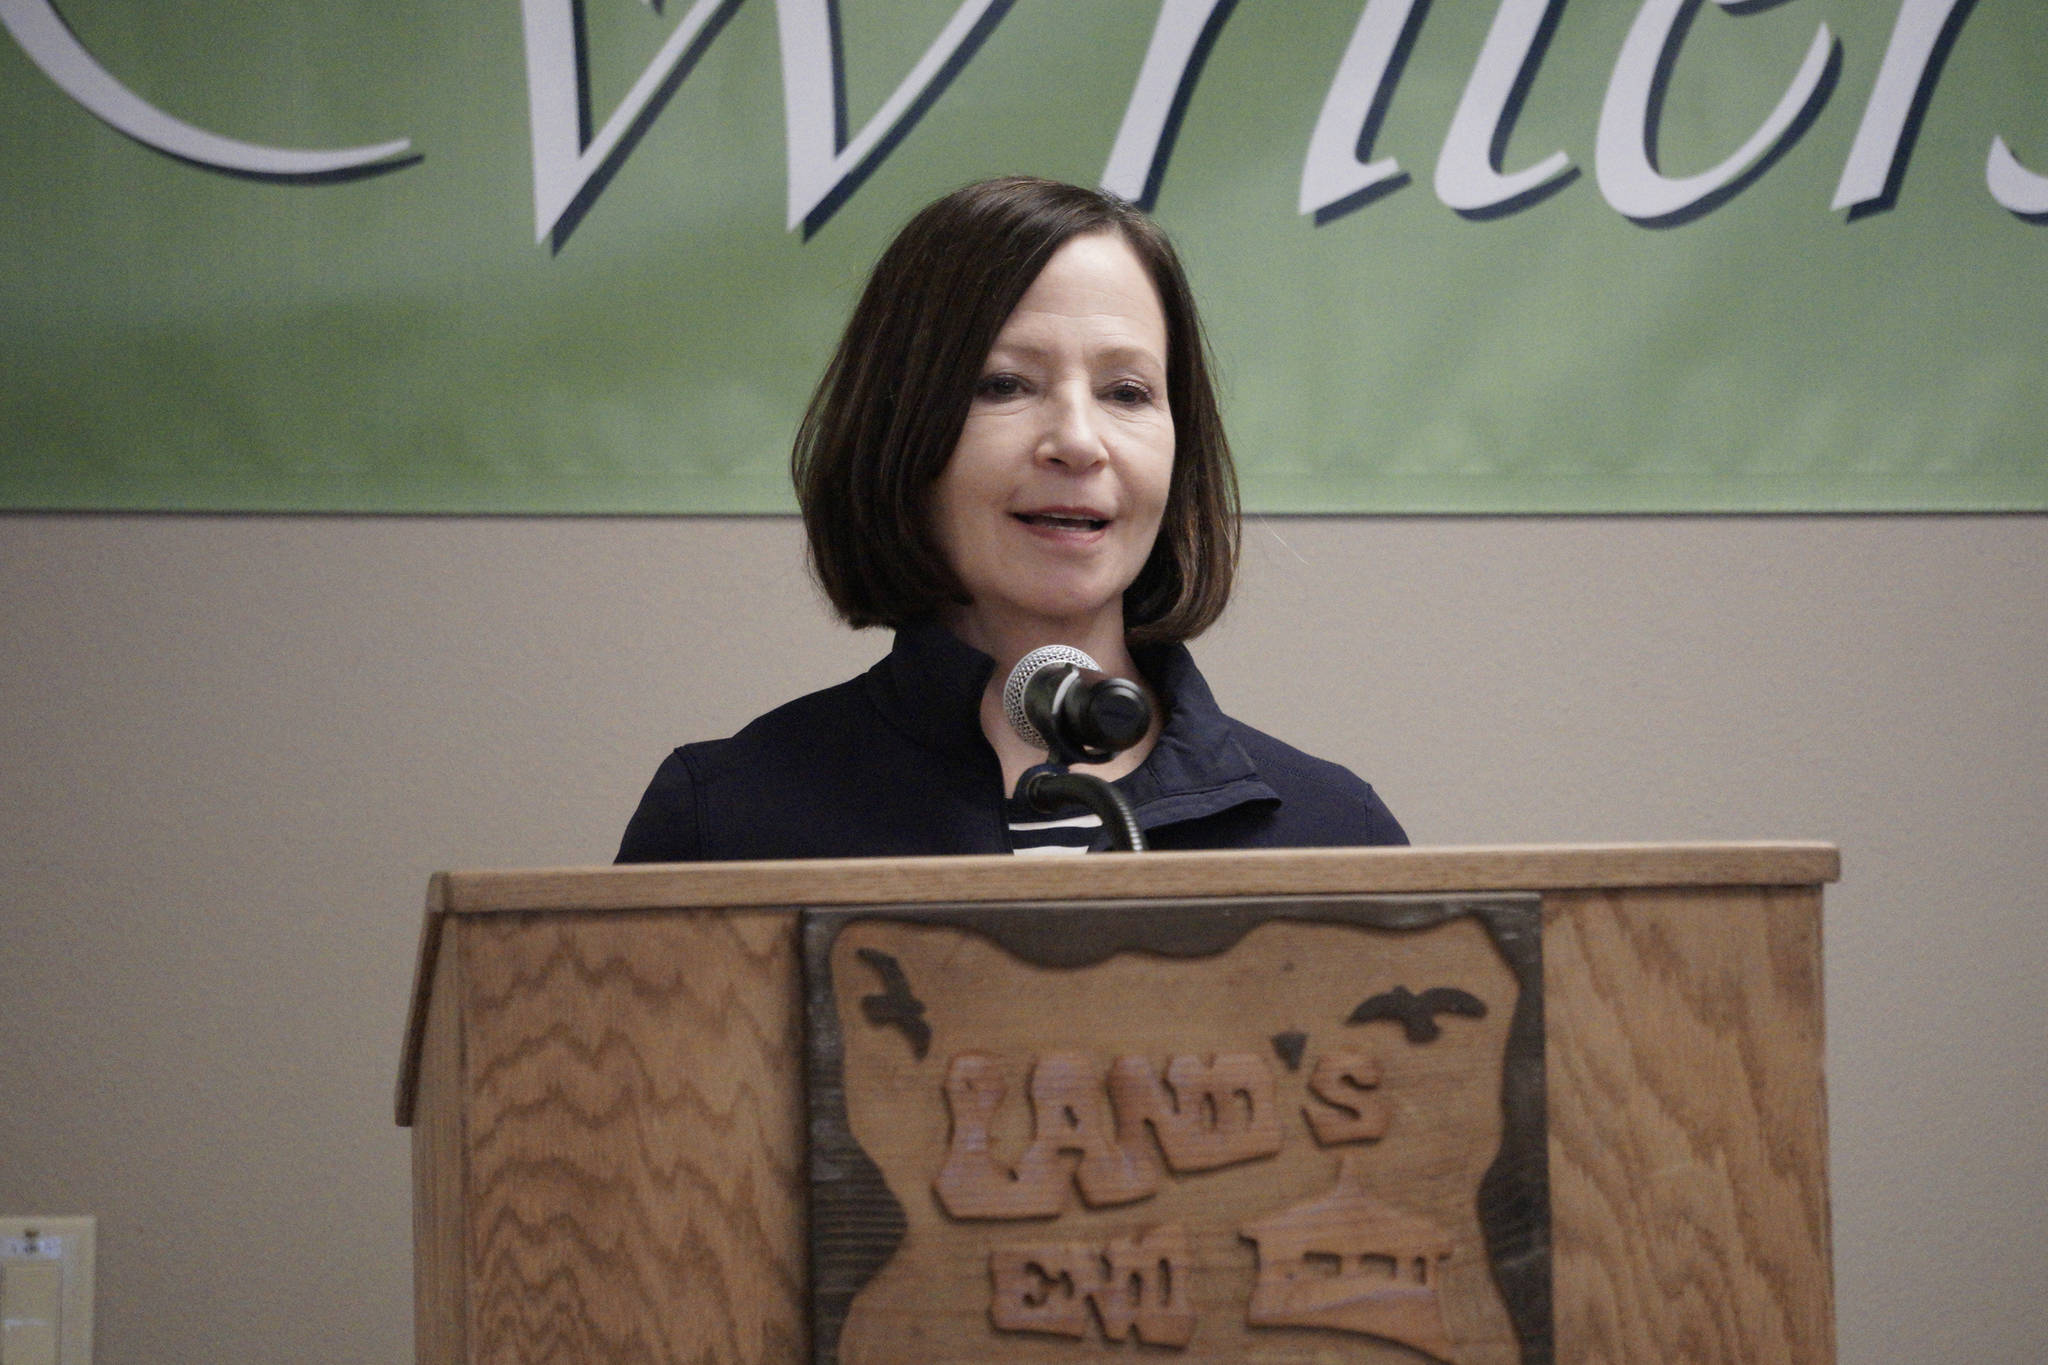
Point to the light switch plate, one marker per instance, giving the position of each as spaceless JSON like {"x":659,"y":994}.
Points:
{"x":46,"y":1291}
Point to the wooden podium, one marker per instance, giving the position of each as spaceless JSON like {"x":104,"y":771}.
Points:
{"x":1482,"y":1106}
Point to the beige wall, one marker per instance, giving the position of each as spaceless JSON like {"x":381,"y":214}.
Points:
{"x":235,"y":748}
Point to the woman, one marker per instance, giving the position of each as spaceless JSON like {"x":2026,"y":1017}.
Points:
{"x":1016,"y":445}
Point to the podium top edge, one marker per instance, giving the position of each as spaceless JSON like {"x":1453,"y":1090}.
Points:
{"x":1260,"y":872}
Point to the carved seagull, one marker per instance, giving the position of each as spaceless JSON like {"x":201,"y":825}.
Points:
{"x":1417,"y":1013}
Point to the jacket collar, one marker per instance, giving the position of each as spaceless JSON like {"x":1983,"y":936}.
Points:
{"x":930,"y":688}
{"x":1198,"y":767}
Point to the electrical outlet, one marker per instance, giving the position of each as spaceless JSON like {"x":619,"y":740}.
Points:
{"x":46,"y":1291}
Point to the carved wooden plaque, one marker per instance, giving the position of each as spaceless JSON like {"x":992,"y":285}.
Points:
{"x":1244,"y":1131}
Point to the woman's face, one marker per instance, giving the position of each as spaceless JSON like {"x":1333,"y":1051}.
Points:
{"x":1052,"y":499}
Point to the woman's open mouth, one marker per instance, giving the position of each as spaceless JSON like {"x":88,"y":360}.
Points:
{"x":1061,"y":521}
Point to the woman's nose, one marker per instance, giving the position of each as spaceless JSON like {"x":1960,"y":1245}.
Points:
{"x":1073,"y":432}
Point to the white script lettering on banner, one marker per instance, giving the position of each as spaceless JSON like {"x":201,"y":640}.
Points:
{"x":1137,"y":160}
{"x":50,"y":44}
{"x":823,"y":170}
{"x":825,"y":166}
{"x":1333,"y":175}
{"x":1625,"y":160}
{"x":1907,"y":68}
{"x":1468,"y":177}
{"x":2013,"y":185}
{"x":566,"y":173}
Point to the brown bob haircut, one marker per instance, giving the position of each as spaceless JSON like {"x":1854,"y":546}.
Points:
{"x":889,"y":411}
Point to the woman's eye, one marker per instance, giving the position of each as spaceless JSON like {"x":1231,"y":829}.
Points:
{"x":1130,"y":393}
{"x":999,"y":386}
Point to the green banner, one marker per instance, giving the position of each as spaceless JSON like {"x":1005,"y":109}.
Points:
{"x":551,"y":256}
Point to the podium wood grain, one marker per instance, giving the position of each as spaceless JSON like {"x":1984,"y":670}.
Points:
{"x":1688,"y":1126}
{"x":603,"y":1076}
{"x":633,"y":1141}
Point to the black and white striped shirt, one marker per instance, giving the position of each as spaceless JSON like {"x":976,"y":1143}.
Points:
{"x":1036,"y":836}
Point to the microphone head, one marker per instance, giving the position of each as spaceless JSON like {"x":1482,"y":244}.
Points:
{"x":1029,"y":667}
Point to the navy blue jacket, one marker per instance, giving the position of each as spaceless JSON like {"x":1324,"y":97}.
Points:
{"x":894,"y":763}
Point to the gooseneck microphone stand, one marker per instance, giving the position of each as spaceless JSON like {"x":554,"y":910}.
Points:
{"x":1057,"y":697}
{"x":1045,"y":787}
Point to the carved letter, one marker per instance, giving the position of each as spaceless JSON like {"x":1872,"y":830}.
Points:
{"x":1043,"y":1288}
{"x":566,"y":173}
{"x":1334,"y":175}
{"x":1148,"y":1288}
{"x":1217,"y":1113}
{"x":1071,"y":1114}
{"x":1139,"y":1284}
{"x":1345,"y":1081}
{"x":50,"y":44}
{"x":1180,"y":44}
{"x":1877,"y":159}
{"x":1626,"y":162}
{"x":1468,"y":176}
{"x":971,"y":1184}
{"x":824,"y":168}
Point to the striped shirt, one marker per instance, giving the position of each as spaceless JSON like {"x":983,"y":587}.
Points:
{"x":1036,"y":836}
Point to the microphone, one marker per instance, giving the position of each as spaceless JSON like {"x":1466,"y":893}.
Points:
{"x":1058,"y":699}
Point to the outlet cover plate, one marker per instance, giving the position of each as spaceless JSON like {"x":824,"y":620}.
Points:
{"x":29,"y":1247}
